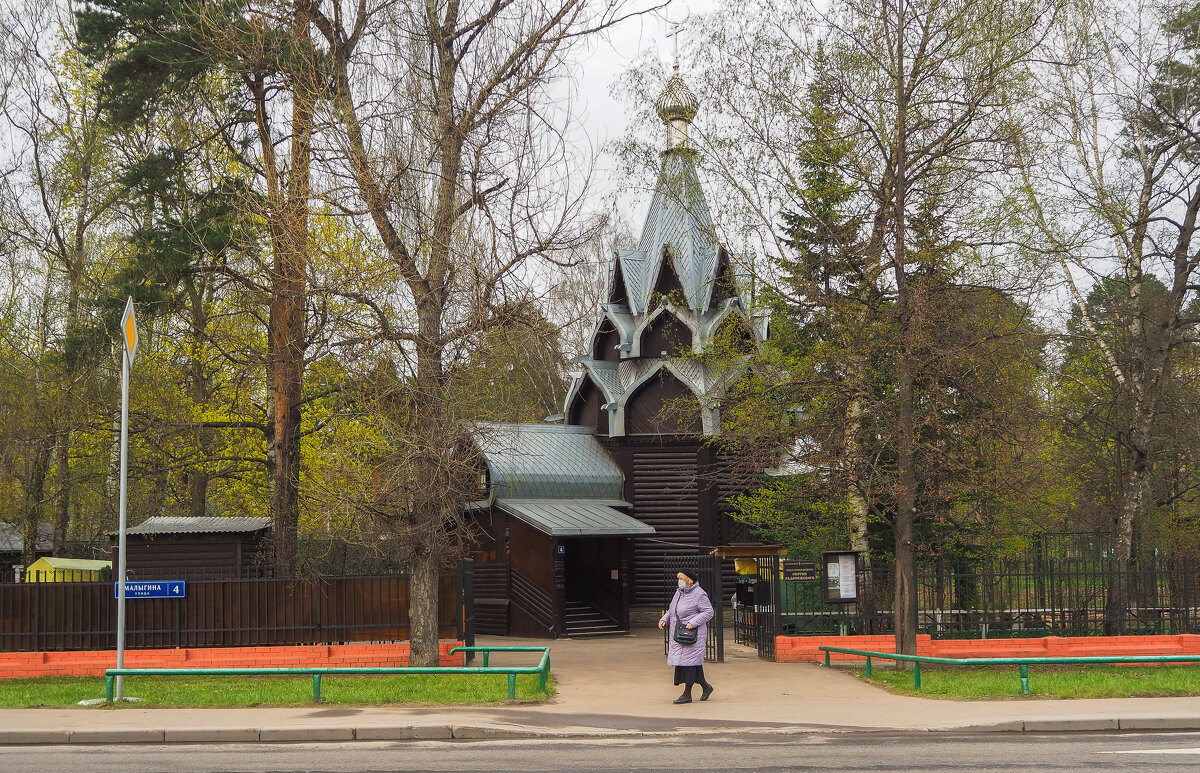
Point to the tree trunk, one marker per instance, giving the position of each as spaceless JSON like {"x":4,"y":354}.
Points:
{"x":905,"y":604}
{"x":1133,"y":504}
{"x":62,"y":499}
{"x":35,"y":494}
{"x":290,"y":243}
{"x":423,"y":583}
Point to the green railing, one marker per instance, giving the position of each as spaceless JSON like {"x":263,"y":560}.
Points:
{"x":542,"y":669}
{"x":1022,"y":664}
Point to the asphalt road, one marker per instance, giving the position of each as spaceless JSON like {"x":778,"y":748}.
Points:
{"x":742,"y":752}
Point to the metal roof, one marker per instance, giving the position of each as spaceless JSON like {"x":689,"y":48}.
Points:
{"x":574,"y":518}
{"x":547,"y":461}
{"x":678,"y":219}
{"x":180,"y":524}
{"x":11,"y":542}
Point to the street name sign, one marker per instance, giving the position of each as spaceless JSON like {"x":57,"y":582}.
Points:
{"x":157,"y":589}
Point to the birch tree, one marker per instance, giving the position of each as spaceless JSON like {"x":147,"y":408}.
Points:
{"x":1114,"y":192}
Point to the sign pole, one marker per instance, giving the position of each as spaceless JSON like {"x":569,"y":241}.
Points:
{"x":129,"y":338}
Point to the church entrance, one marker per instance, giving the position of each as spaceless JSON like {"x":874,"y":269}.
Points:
{"x":595,"y":571}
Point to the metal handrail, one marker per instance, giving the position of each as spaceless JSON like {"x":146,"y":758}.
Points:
{"x":1022,"y":664}
{"x":542,"y":669}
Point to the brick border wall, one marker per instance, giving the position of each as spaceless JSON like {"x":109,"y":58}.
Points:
{"x":25,"y":665}
{"x":803,"y":649}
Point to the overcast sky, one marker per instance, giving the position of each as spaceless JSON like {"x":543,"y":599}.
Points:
{"x":604,"y":117}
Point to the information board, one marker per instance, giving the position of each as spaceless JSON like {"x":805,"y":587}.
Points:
{"x":841,"y":576}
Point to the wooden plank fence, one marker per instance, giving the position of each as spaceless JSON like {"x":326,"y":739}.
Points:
{"x":41,"y":616}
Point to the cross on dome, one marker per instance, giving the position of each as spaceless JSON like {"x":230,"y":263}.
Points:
{"x":677,"y":105}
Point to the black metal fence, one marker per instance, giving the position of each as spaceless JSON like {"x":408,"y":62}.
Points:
{"x":1035,"y":596}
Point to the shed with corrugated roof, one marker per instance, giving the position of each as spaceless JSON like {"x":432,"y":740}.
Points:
{"x":196,"y":548}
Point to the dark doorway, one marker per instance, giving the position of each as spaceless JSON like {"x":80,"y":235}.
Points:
{"x":594,"y":593}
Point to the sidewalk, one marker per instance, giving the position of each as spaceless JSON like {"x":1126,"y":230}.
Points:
{"x":612,"y":687}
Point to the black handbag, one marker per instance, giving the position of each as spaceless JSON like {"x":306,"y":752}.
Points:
{"x":685,"y":635}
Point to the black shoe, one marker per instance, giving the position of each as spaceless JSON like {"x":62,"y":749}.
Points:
{"x":707,"y":692}
{"x":682,"y":699}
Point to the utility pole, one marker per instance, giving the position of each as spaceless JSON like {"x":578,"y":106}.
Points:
{"x":129,"y":339}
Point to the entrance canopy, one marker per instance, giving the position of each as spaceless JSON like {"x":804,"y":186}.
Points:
{"x":574,"y":518}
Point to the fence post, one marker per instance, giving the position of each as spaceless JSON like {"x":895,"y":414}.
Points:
{"x":776,"y":602}
{"x":466,"y":604}
{"x":718,"y":599}
{"x":37,"y":615}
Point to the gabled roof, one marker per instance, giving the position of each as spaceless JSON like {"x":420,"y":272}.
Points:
{"x":69,"y":564}
{"x":547,"y":461}
{"x":181,"y":524}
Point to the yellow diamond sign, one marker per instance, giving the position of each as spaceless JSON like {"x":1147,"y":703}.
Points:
{"x":129,"y":331}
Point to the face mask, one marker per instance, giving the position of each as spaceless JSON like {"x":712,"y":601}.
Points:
{"x":682,"y":584}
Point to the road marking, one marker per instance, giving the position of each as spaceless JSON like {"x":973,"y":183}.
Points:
{"x":1195,"y":750}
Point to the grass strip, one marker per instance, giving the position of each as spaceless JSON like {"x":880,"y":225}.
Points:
{"x":241,"y":691}
{"x":1001,"y":682}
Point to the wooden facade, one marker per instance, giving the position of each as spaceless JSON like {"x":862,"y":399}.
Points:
{"x":219,"y":613}
{"x":196,"y":548}
{"x":651,"y":404}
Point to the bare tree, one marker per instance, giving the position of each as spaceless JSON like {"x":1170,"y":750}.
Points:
{"x":452,"y":141}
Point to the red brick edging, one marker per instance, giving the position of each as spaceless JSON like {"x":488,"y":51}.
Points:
{"x":799,"y":649}
{"x":23,"y":665}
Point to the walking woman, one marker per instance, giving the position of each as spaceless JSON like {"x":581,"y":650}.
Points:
{"x":691,"y":608}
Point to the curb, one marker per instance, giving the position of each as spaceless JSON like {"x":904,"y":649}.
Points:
{"x":318,"y":734}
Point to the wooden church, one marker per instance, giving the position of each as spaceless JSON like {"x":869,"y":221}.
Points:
{"x":577,"y":519}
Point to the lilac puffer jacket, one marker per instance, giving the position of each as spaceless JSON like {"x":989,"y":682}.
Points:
{"x":690,"y":605}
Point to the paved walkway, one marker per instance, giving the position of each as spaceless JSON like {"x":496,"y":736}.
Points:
{"x":613,"y":687}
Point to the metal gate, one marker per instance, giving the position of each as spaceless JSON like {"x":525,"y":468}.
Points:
{"x":708,"y":571}
{"x":756,"y":607}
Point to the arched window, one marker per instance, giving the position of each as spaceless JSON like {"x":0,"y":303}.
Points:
{"x":732,"y":336}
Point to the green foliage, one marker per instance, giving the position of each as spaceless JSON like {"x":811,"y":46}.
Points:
{"x":513,"y":371}
{"x":795,"y":511}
